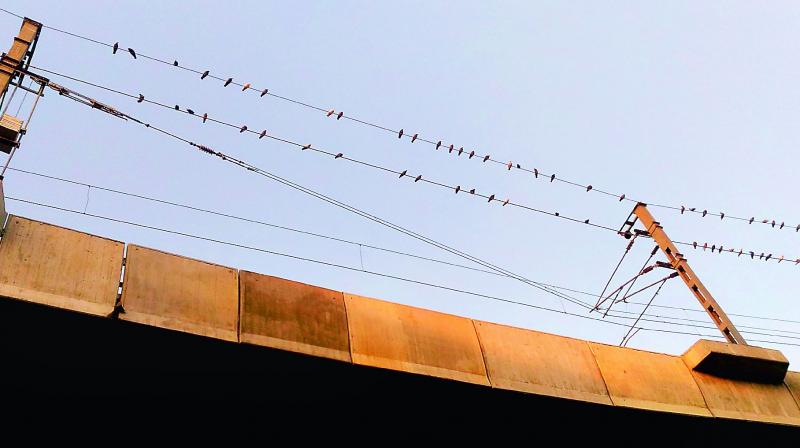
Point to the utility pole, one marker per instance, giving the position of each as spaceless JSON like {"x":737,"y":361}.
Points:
{"x":13,"y":66}
{"x":681,"y":266}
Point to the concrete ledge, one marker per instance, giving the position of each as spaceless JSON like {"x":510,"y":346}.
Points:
{"x":738,"y":362}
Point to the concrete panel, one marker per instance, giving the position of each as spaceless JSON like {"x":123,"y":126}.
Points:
{"x":398,"y":337}
{"x":59,"y":267}
{"x":180,"y":293}
{"x":541,"y":363}
{"x":770,"y":403}
{"x":653,"y":381}
{"x":793,"y":383}
{"x":293,"y":316}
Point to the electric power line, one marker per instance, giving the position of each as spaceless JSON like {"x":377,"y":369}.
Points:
{"x":403,"y":174}
{"x":538,"y":174}
{"x":375,"y":273}
{"x":363,"y":244}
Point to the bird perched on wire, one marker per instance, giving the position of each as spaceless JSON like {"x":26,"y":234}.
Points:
{"x":175,"y":63}
{"x":264,"y":92}
{"x":622,"y":197}
{"x":115,"y":48}
{"x":205,"y":117}
{"x":458,"y":188}
{"x":438,"y":144}
{"x":400,"y":134}
{"x":133,"y":53}
{"x":588,"y":188}
{"x":552,"y":177}
{"x":414,"y":138}
{"x":337,"y":156}
{"x":203,"y":76}
{"x":228,"y":82}
{"x":418,"y":178}
{"x":340,"y":115}
{"x":141,"y":98}
{"x":245,"y":86}
{"x":485,"y":158}
{"x":403,"y":173}
{"x":491,"y":198}
{"x":263,"y":134}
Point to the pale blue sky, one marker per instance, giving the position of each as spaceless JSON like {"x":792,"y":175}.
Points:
{"x":690,"y":103}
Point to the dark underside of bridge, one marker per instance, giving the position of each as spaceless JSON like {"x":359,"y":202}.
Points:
{"x":49,"y":353}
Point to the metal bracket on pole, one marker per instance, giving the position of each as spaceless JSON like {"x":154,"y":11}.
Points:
{"x":685,"y":272}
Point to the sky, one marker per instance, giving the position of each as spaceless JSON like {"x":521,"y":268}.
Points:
{"x":681,"y":103}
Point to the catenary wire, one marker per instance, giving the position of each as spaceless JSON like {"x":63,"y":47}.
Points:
{"x":780,"y":225}
{"x":375,"y":273}
{"x":354,"y":243}
{"x":94,"y":104}
{"x":764,"y":255}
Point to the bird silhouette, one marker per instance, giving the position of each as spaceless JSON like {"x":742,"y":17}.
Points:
{"x":245,"y":86}
{"x":133,"y":53}
{"x":228,"y":82}
{"x":203,"y":76}
{"x":115,"y":48}
{"x":264,"y":92}
{"x":263,"y":134}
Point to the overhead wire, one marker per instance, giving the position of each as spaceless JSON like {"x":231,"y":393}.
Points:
{"x":351,"y":242}
{"x":224,"y":157}
{"x":413,"y":137}
{"x":402,"y":174}
{"x":331,"y":153}
{"x":374,"y":273}
{"x":82,"y":99}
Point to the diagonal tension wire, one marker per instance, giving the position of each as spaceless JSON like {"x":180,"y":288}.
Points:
{"x":227,"y":158}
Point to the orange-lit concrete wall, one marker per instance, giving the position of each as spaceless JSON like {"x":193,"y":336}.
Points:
{"x":62,"y":268}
